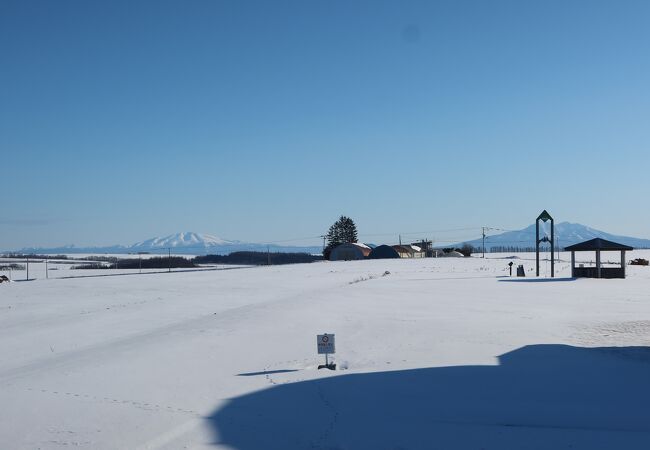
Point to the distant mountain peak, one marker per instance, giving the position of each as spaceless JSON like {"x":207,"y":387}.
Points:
{"x":186,"y":242}
{"x":183,"y":239}
{"x":566,"y":233}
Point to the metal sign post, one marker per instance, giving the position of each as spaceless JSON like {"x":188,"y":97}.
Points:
{"x":325,"y":346}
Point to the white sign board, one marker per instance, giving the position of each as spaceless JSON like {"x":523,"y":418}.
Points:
{"x":325,"y":343}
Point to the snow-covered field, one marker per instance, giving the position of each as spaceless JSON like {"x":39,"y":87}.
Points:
{"x":433,"y":354}
{"x":65,"y":268}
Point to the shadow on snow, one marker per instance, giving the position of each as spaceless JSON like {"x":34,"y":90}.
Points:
{"x":537,"y":280}
{"x":266,"y":372}
{"x":538,"y":397}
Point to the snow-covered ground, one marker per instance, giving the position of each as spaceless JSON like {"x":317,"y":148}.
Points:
{"x":443,"y":353}
{"x":65,"y":268}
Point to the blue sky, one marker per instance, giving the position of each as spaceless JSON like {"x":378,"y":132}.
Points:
{"x":265,"y":121}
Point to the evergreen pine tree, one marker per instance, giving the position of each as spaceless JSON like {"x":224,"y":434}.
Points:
{"x":343,"y":231}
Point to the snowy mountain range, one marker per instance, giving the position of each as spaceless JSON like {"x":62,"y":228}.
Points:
{"x":566,"y":234}
{"x":201,"y":244}
{"x":189,"y":242}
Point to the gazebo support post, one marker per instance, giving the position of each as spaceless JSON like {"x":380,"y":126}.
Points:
{"x":537,"y":247}
{"x":623,"y":262}
{"x":598,"y":263}
{"x":552,"y":249}
{"x":573,"y":264}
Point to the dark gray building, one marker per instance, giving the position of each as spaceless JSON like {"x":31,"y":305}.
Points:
{"x":383,"y":252}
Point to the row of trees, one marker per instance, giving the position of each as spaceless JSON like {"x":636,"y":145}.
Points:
{"x":157,"y":262}
{"x":33,"y":256}
{"x":257,"y":258}
{"x":516,"y":249}
{"x":175,"y":262}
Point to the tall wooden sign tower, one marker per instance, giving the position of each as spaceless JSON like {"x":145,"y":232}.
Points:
{"x":545,"y":216}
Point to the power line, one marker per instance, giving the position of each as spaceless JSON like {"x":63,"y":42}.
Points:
{"x":485,"y":233}
{"x":419,"y":232}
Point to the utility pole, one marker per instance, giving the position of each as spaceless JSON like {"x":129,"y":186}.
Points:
{"x":483,"y":228}
{"x":47,"y":275}
{"x":268,"y":255}
{"x":169,"y":259}
{"x":140,"y":259}
{"x":27,"y":268}
{"x":400,"y":239}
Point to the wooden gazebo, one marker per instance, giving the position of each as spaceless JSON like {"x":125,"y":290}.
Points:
{"x":598,"y":245}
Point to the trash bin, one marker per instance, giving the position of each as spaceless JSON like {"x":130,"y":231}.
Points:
{"x":520,"y":271}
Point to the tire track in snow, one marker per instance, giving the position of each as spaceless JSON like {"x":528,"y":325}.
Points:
{"x":114,"y":401}
{"x":104,"y":350}
{"x":164,"y":439}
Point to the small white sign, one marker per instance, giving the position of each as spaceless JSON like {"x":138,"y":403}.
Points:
{"x":325,"y":343}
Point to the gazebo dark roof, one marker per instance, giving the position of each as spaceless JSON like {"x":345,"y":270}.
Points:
{"x":597,"y":244}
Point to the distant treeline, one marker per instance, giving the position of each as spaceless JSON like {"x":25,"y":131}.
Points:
{"x":59,"y":257}
{"x":175,"y":262}
{"x":513,"y":249}
{"x":157,"y":262}
{"x":32,"y":256}
{"x":12,"y":266}
{"x":258,"y":258}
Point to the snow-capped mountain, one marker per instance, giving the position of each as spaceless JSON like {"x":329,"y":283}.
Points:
{"x":566,"y":234}
{"x":188,"y":242}
{"x":185,"y":239}
{"x":197,"y":243}
{"x":200,"y":244}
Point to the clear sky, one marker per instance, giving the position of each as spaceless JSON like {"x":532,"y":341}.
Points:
{"x":264,"y":121}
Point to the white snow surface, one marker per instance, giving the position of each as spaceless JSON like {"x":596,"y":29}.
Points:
{"x":439,"y":353}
